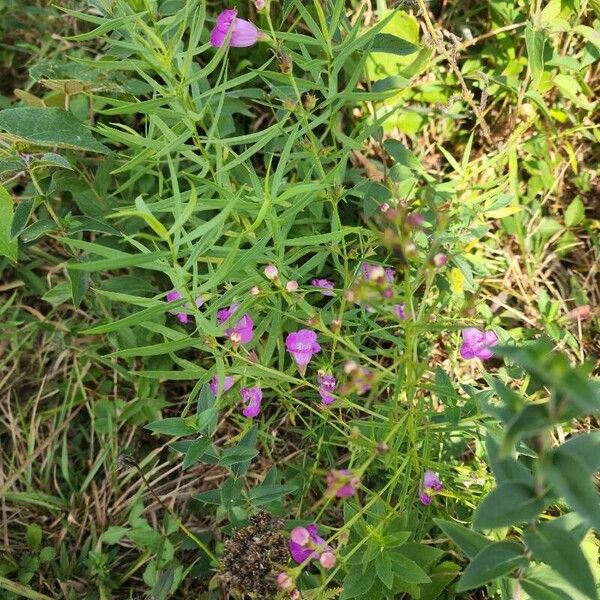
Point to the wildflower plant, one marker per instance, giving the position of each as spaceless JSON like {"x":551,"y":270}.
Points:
{"x":346,"y":368}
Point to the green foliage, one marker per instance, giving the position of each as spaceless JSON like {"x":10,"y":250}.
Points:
{"x":136,"y":159}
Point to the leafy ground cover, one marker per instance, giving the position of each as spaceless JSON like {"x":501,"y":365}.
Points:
{"x":299,"y":302}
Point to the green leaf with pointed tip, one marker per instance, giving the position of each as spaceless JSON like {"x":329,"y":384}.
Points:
{"x":560,"y":549}
{"x":469,"y":541}
{"x":510,"y":503}
{"x":493,"y":561}
{"x":48,"y":127}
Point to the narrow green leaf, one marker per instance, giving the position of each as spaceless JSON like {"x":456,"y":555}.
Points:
{"x":8,"y":246}
{"x":172,"y":426}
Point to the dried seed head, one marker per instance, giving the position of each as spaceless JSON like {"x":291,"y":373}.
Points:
{"x":253,"y":557}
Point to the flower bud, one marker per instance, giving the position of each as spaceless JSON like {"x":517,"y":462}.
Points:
{"x":295,"y":595}
{"x":271,"y":272}
{"x":260,"y":4}
{"x":350,"y":366}
{"x":327,"y":560}
{"x":384,"y":207}
{"x":382,"y":448}
{"x":355,"y":433}
{"x":310,"y":101}
{"x":415,"y":220}
{"x":235,"y":338}
{"x":440,"y":260}
{"x":291,"y":286}
{"x":335,"y":325}
{"x":255,"y":291}
{"x":284,"y":581}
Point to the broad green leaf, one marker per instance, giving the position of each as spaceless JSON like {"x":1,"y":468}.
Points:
{"x":586,"y":447}
{"x":391,"y":44}
{"x":406,"y":568}
{"x":114,"y":534}
{"x":569,"y":476}
{"x":495,"y":560}
{"x":559,"y":549}
{"x":195,"y":451}
{"x":384,"y":570}
{"x":33,"y":536}
{"x":510,"y":503}
{"x":48,"y":127}
{"x":8,"y":246}
{"x":469,"y":541}
{"x":575,"y":212}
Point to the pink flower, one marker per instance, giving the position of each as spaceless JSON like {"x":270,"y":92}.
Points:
{"x":342,"y":483}
{"x":284,"y":581}
{"x":477,"y":344}
{"x":375,"y":272}
{"x":173,"y":296}
{"x":430,"y":485}
{"x":226,"y":384}
{"x":253,"y":397}
{"x":244,"y":326}
{"x":325,"y":285}
{"x":326,"y":387}
{"x":302,"y":345}
{"x":305,"y":543}
{"x":243,"y":33}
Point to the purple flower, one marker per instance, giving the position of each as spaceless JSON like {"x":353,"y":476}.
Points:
{"x":342,"y":483}
{"x":325,"y":285}
{"x":253,"y":397}
{"x":400,"y":310}
{"x":375,"y":272}
{"x":173,"y":296}
{"x":326,"y":387}
{"x":305,"y":543}
{"x":430,"y":485}
{"x":244,"y":327}
{"x":477,"y":344}
{"x":243,"y":33}
{"x":302,"y":345}
{"x":226,"y":384}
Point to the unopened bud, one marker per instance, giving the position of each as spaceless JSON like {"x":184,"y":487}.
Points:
{"x":255,"y":291}
{"x":355,"y":433}
{"x":335,"y":325}
{"x":440,"y":260}
{"x":310,"y":101}
{"x":388,"y":293}
{"x":350,"y":366}
{"x":271,"y":272}
{"x":382,"y":448}
{"x":291,"y":286}
{"x":384,"y":208}
{"x":260,"y":4}
{"x":327,"y":560}
{"x":415,"y":220}
{"x":284,"y":581}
